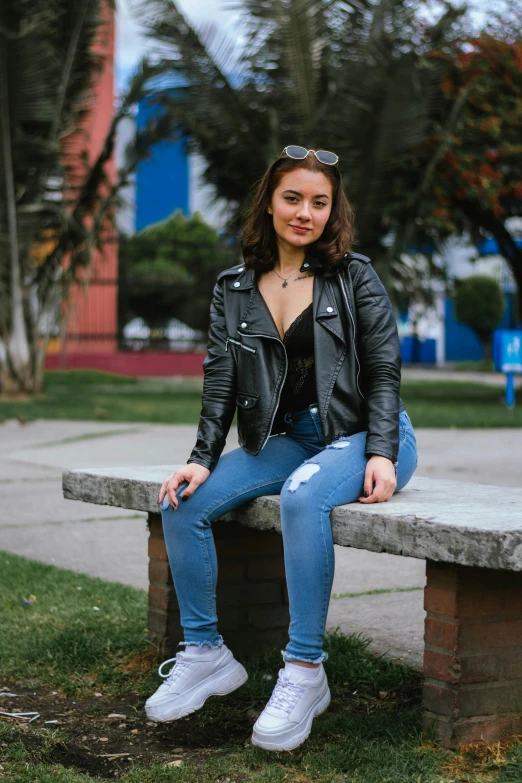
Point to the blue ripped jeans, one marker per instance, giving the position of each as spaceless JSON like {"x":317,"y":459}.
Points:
{"x":311,"y":479}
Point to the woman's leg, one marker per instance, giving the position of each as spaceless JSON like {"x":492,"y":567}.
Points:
{"x":332,"y":477}
{"x":237,"y":477}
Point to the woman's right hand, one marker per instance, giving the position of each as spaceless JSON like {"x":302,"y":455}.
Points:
{"x":194,"y":473}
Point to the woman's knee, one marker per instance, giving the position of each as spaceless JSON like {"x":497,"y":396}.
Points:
{"x":297,"y":494}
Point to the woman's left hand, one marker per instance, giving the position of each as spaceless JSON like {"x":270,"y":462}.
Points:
{"x":381,"y":473}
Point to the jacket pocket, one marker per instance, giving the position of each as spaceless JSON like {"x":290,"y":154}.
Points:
{"x":240,"y":344}
{"x":246,"y":409}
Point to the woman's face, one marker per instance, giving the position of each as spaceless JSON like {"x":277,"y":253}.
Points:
{"x":301,"y":205}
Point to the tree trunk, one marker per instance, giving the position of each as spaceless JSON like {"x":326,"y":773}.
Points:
{"x":15,"y":353}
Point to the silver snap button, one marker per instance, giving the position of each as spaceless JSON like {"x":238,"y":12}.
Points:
{"x":246,"y":402}
{"x":313,"y":410}
{"x":329,"y":309}
{"x":236,"y":285}
{"x":306,"y":264}
{"x":243,"y":324}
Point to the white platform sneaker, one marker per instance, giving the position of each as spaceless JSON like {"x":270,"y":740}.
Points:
{"x":192,"y":679}
{"x":287,"y":719}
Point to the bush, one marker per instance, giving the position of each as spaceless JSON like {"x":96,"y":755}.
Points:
{"x":479,"y":303}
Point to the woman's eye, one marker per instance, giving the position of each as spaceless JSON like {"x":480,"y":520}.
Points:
{"x":320,"y":204}
{"x":290,"y":198}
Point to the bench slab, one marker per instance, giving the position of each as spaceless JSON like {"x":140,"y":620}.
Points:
{"x":455,"y":522}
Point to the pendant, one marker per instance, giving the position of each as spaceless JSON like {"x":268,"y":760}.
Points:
{"x":285,"y":284}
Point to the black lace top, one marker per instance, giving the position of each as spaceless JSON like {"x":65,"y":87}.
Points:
{"x":299,"y":389}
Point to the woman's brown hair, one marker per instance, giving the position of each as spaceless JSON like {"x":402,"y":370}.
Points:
{"x":258,"y":237}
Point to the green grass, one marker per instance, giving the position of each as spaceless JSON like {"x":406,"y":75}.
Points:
{"x":94,"y":395}
{"x":96,"y":662}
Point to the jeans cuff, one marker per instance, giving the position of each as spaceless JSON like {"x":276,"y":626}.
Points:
{"x":289,"y":658}
{"x":218,"y":643}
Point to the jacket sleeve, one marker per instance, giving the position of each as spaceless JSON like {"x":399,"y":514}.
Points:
{"x":380,"y":356}
{"x":219,"y":389}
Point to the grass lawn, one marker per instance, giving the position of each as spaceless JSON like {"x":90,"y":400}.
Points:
{"x":94,"y":395}
{"x":78,"y":655}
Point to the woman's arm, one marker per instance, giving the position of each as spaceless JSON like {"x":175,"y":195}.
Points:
{"x":219,"y":389}
{"x":380,"y":356}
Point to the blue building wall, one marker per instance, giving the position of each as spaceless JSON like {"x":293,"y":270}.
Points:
{"x":162,"y":181}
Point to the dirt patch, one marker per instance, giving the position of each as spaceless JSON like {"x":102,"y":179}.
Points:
{"x":106,"y":735}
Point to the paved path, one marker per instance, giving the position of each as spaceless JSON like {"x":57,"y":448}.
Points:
{"x":37,"y":522}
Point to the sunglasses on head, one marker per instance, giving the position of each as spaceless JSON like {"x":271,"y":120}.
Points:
{"x":300,"y":153}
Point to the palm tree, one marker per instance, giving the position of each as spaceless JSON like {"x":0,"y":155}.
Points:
{"x":353,"y":76}
{"x":55,"y":205}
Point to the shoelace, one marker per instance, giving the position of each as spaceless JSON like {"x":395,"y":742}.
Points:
{"x":173,"y":674}
{"x":286,"y":693}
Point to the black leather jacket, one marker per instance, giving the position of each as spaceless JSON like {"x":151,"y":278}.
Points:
{"x":356,"y":351}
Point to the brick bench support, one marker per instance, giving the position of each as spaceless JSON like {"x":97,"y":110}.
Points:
{"x":251,"y":597}
{"x":473,"y":653}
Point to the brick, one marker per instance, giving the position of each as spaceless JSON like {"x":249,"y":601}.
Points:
{"x":162,"y":597}
{"x":250,"y":593}
{"x":157,"y":549}
{"x":265,"y":543}
{"x":438,"y":699}
{"x":511,"y":660}
{"x":155,"y":525}
{"x":157,"y":621}
{"x":512,"y":603}
{"x":231,"y":570}
{"x":159,"y":572}
{"x":250,"y":642}
{"x":231,"y":618}
{"x":490,"y":730}
{"x":483,"y":636}
{"x":271,"y":616}
{"x":480,"y":603}
{"x":480,"y":668}
{"x":488,"y":700}
{"x":440,"y":600}
{"x":229,"y":529}
{"x":441,"y":575}
{"x":440,"y":666}
{"x":441,"y":727}
{"x":267,"y":568}
{"x":440,"y":633}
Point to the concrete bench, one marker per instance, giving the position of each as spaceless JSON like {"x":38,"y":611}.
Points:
{"x":469,"y":534}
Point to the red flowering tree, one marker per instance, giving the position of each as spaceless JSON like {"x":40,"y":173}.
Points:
{"x":472,"y":164}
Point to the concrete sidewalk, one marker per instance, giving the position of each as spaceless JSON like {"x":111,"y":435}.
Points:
{"x":35,"y":520}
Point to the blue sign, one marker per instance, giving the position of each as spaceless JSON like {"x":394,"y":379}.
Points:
{"x":507,"y":355}
{"x":508,"y":350}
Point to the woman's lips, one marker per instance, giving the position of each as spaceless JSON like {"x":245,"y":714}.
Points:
{"x":300,"y":229}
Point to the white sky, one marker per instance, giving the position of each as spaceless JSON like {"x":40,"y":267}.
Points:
{"x":130,"y":45}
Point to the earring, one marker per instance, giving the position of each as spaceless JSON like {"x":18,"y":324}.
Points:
{"x":269,"y":211}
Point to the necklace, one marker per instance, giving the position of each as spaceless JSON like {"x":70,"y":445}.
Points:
{"x":286,"y":279}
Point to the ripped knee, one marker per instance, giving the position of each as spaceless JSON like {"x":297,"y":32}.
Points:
{"x":340,"y":443}
{"x":302,"y":475}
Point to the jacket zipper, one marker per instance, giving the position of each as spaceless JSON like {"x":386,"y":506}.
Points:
{"x":282,"y":384}
{"x":353,"y":324}
{"x":236,"y":342}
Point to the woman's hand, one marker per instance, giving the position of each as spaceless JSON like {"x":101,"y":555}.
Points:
{"x":194,"y":473}
{"x":379,"y":471}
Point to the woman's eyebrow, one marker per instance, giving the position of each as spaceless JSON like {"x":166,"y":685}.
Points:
{"x":298,"y":193}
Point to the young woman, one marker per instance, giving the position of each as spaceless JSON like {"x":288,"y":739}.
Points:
{"x":303,"y":341}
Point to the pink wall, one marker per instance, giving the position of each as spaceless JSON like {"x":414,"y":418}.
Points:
{"x":93,"y":310}
{"x":129,"y":363}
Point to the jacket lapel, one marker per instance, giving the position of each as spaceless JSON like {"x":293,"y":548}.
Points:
{"x":326,"y":311}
